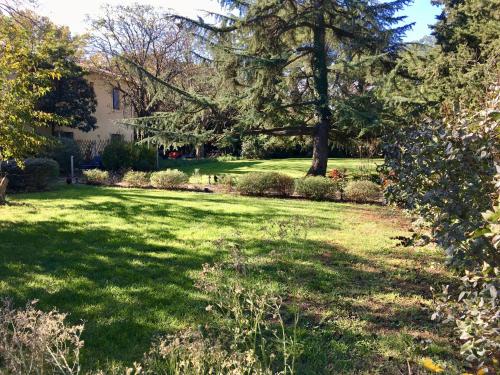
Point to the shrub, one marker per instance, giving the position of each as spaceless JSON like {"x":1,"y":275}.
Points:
{"x":61,"y":151}
{"x":169,"y":178}
{"x":362,"y":191}
{"x":136,"y":179}
{"x":37,"y":174}
{"x":122,"y":155}
{"x":96,"y":177}
{"x":117,"y":155}
{"x":317,"y":188}
{"x":263,"y":183}
{"x":35,"y":342}
{"x":143,"y":158}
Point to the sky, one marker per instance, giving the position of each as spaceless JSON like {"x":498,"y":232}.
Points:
{"x":73,"y":12}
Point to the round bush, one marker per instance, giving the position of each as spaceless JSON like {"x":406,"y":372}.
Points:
{"x":117,"y":155}
{"x":96,"y":177}
{"x":170,"y":178}
{"x":362,"y":191}
{"x":122,"y":155}
{"x":265,"y":183}
{"x":316,"y":188}
{"x":37,"y":174}
{"x":136,"y":179}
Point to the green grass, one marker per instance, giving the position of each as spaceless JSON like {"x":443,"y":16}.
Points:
{"x":295,"y":167}
{"x":125,"y":261}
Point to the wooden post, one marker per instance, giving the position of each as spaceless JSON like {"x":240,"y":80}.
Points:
{"x":72,"y":170}
{"x":4,"y":181}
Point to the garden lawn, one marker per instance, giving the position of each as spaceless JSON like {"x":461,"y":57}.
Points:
{"x":295,"y":167}
{"x":125,"y":261}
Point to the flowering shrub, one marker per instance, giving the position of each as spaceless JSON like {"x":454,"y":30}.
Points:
{"x":168,"y":179}
{"x":96,"y":177}
{"x":35,"y":342}
{"x":362,"y":191}
{"x":136,"y":179}
{"x":317,"y":188}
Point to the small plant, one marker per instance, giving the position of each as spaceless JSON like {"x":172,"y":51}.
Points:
{"x":316,"y":188}
{"x":35,"y":342}
{"x":168,"y":179}
{"x":227,"y":182}
{"x":362,"y":191}
{"x":136,"y":179}
{"x":265,"y":183}
{"x":96,"y":177}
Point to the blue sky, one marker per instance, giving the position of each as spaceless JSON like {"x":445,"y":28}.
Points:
{"x":423,"y":14}
{"x":73,"y":12}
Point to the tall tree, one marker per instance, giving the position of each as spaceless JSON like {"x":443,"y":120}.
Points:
{"x":24,"y":79}
{"x":146,"y":37}
{"x":293,"y":67}
{"x":71,"y":98}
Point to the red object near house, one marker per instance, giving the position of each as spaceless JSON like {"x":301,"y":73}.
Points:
{"x":174,"y":155}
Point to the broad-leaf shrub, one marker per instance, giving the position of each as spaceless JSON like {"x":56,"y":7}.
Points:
{"x":475,"y":314}
{"x":36,"y":342}
{"x":317,"y":187}
{"x":362,"y":191}
{"x":36,"y":174}
{"x":265,"y":183}
{"x":136,"y":179}
{"x":119,"y":155}
{"x":168,"y":179}
{"x":96,"y":177}
{"x":444,"y":170}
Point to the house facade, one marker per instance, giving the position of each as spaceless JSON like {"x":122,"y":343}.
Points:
{"x":110,"y":108}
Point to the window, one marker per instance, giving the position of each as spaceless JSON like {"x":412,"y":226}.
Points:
{"x":117,"y":137}
{"x":62,"y":134}
{"x":116,"y":98}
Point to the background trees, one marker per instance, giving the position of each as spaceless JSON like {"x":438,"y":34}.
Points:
{"x":127,"y":37}
{"x":293,"y":68}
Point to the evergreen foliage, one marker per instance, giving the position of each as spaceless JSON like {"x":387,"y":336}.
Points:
{"x":289,"y":68}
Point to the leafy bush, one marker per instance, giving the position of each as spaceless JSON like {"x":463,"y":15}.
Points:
{"x":120,"y":155}
{"x":61,"y":150}
{"x":96,"y":177}
{"x":444,"y":171}
{"x":170,"y":178}
{"x":265,"y":183}
{"x":475,"y":314}
{"x":36,"y":174}
{"x":136,"y":179}
{"x":317,"y":187}
{"x":143,"y":158}
{"x":35,"y":342}
{"x":362,"y":191}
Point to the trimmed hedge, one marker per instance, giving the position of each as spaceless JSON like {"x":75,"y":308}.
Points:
{"x":96,"y":177}
{"x":136,"y":179}
{"x":37,"y":174}
{"x":362,"y":191}
{"x":316,"y":188}
{"x":170,"y":178}
{"x":265,"y":183}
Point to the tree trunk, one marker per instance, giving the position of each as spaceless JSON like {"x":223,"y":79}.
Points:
{"x":320,"y":150}
{"x":3,"y":189}
{"x":323,"y":112}
{"x":200,"y":151}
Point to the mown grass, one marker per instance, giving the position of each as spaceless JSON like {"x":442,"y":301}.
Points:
{"x":125,"y":261}
{"x":295,"y":167}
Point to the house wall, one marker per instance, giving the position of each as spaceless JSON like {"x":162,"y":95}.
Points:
{"x":105,"y":114}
